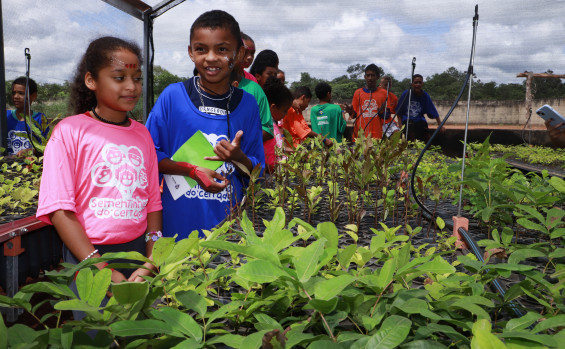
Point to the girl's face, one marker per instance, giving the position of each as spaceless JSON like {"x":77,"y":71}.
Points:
{"x":214,"y":52}
{"x":118,"y":86}
{"x":249,"y":53}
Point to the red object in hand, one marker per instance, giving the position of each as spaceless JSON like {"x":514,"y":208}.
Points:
{"x":195,"y":174}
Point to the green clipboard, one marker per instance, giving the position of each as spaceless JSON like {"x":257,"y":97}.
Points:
{"x":193,"y":151}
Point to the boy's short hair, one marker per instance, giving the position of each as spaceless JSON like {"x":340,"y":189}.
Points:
{"x":22,"y":81}
{"x":264,"y":59}
{"x":277,"y":93}
{"x":322,"y":90}
{"x":417,"y":76}
{"x":302,"y":91}
{"x":373,"y":67}
{"x":218,"y":19}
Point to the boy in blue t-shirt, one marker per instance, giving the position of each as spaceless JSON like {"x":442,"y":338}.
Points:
{"x":227,"y":116}
{"x":327,"y":118}
{"x":18,"y":119}
{"x":420,"y":105}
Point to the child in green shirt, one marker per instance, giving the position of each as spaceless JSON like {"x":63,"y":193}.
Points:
{"x":327,"y":118}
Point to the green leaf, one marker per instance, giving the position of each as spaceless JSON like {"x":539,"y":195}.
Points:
{"x":179,"y":322}
{"x":330,"y":288}
{"x":557,"y":233}
{"x":344,"y":255}
{"x":386,"y":273}
{"x":392,"y":333}
{"x":49,"y":288}
{"x":75,"y":304}
{"x":423,"y":344}
{"x":511,"y":267}
{"x":130,"y":292}
{"x":438,"y":265}
{"x":282,"y":239}
{"x":193,"y":300}
{"x":528,"y":224}
{"x":413,"y":306}
{"x":67,"y":337}
{"x":323,"y":306}
{"x":324,"y":344}
{"x":522,"y":322}
{"x":162,"y":249}
{"x":521,"y":254}
{"x":127,"y":328}
{"x":550,"y":341}
{"x":328,"y":230}
{"x":230,"y":340}
{"x":440,"y":223}
{"x":19,"y":334}
{"x":306,"y":264}
{"x":260,"y":271}
{"x":263,"y":251}
{"x":557,"y":183}
{"x":3,"y":334}
{"x":265,"y":322}
{"x":550,"y":323}
{"x":100,"y":285}
{"x":225,"y":309}
{"x":275,"y":225}
{"x":483,"y":338}
{"x":254,"y":340}
{"x":84,"y":284}
{"x":349,"y":336}
{"x":182,"y":248}
{"x":486,"y":213}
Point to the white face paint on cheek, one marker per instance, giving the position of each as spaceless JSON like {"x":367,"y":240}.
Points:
{"x":230,"y":61}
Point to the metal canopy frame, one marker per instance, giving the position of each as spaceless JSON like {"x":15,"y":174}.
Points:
{"x":135,"y":8}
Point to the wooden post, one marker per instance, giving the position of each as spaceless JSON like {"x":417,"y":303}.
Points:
{"x":529,"y":96}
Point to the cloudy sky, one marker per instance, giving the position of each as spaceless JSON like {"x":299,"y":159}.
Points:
{"x":319,"y":37}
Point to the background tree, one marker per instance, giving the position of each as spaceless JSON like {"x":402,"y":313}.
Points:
{"x":163,"y":78}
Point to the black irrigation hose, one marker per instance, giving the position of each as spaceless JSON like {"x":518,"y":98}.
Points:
{"x":426,"y":212}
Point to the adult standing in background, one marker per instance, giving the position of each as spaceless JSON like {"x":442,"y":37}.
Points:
{"x":420,"y":105}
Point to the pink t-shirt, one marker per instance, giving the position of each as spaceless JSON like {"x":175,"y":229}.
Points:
{"x":270,"y":145}
{"x":104,"y":173}
{"x":249,"y":76}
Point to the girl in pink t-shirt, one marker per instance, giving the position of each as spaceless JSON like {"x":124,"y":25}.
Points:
{"x":280,"y":100}
{"x":100,"y":186}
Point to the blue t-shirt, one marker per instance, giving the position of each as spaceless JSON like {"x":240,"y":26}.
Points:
{"x":419,"y":107}
{"x":17,"y":143}
{"x":173,"y":120}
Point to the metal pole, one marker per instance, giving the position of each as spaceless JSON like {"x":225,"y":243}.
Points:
{"x":3,"y":120}
{"x":471,"y":72}
{"x":148,"y":64}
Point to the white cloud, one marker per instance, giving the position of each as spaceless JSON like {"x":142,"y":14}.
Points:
{"x":321,"y":38}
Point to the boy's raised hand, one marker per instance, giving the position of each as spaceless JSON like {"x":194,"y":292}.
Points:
{"x":226,"y":151}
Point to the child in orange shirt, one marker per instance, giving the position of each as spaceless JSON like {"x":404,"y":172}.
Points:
{"x":294,"y":120}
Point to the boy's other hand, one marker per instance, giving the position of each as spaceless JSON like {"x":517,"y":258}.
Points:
{"x":226,"y":151}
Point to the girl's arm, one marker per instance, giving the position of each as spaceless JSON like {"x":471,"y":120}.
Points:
{"x":74,"y":237}
{"x":154,"y":224}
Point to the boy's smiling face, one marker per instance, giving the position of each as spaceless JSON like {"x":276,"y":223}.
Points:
{"x":214,"y":52}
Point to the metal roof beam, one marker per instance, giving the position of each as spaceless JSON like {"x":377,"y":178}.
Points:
{"x":136,"y":8}
{"x":164,"y":6}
